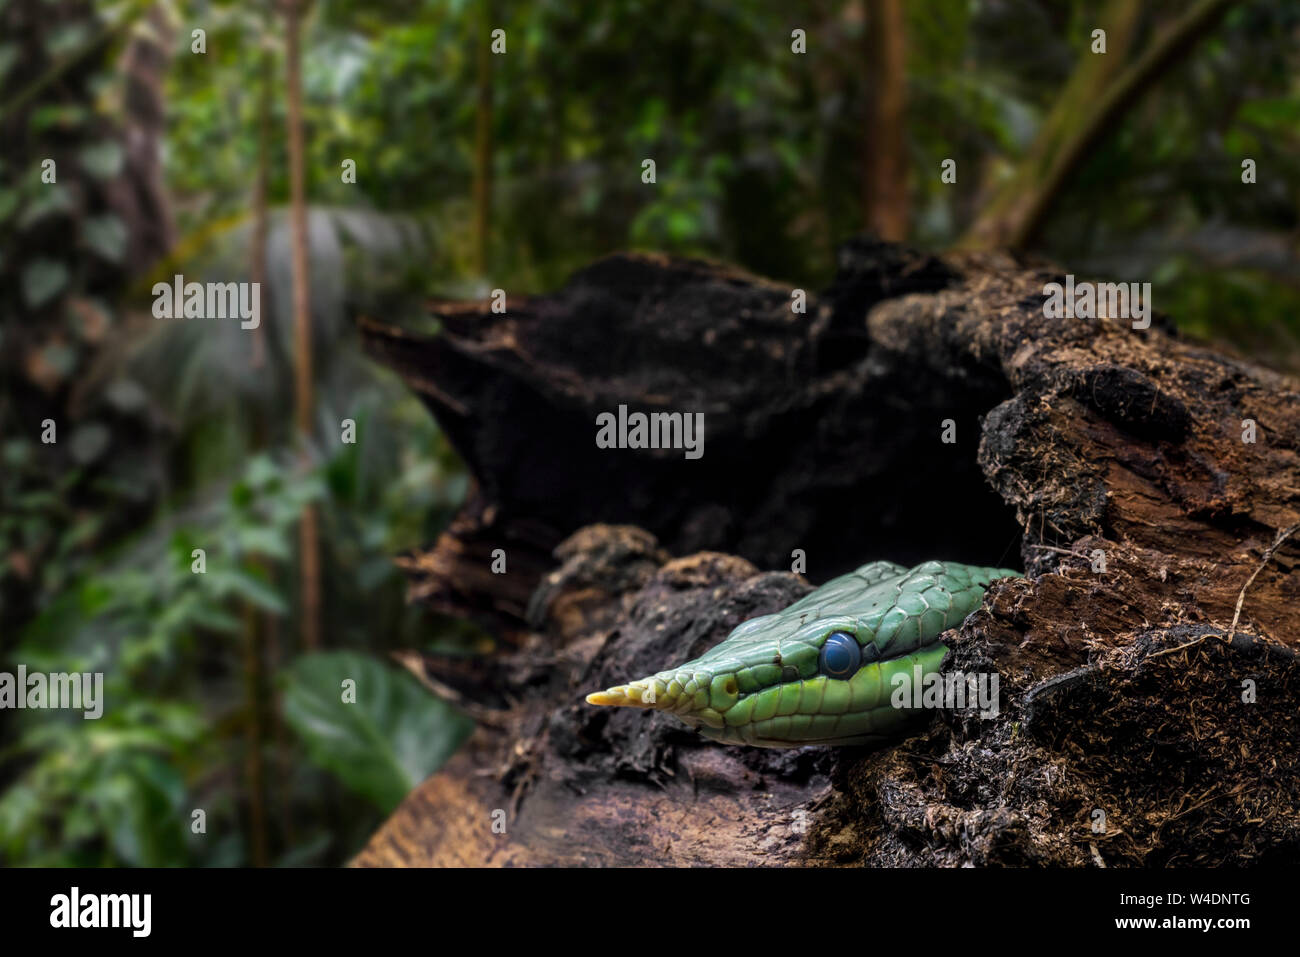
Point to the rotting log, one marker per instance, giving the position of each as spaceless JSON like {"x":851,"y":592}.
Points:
{"x":1148,"y":663}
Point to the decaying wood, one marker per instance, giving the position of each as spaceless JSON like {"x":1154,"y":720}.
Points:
{"x":1138,"y":724}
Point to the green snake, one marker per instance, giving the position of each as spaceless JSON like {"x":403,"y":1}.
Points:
{"x":821,"y":671}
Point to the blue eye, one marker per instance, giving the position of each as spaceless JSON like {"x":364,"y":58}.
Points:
{"x":841,"y":655}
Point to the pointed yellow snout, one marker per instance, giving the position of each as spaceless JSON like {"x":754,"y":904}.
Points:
{"x":646,"y":693}
{"x":693,"y":696}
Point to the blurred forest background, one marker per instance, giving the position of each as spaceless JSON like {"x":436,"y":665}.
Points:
{"x":476,"y":170}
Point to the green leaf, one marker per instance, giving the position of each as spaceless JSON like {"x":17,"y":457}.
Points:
{"x":126,"y":395}
{"x":261,"y":540}
{"x":61,"y":358}
{"x":88,"y":442}
{"x":17,"y":452}
{"x":106,"y":235}
{"x":9,"y":199}
{"x":9,"y":54}
{"x":393,"y":737}
{"x":61,"y":116}
{"x":103,"y":160}
{"x":43,"y":279}
{"x":248,"y":587}
{"x":52,"y":199}
{"x":215,"y":619}
{"x":67,"y":38}
{"x":261,"y":471}
{"x":1279,"y":114}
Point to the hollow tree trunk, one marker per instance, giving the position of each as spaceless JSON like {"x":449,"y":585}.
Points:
{"x":1148,"y":710}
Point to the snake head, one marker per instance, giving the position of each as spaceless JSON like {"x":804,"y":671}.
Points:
{"x":823,"y":671}
{"x":825,"y":682}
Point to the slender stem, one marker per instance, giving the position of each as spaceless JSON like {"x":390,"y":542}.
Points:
{"x":483,"y":145}
{"x":309,"y":545}
{"x":1118,"y":99}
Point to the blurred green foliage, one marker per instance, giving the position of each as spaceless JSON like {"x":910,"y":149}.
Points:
{"x":121,"y":789}
{"x":181,"y":441}
{"x":383,"y":744}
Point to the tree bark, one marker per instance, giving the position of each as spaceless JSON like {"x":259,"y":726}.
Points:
{"x":1148,"y":701}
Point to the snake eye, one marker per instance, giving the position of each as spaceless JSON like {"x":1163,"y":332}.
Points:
{"x":841,"y":655}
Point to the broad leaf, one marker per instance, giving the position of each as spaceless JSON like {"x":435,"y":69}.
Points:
{"x":43,"y":279}
{"x":393,"y":737}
